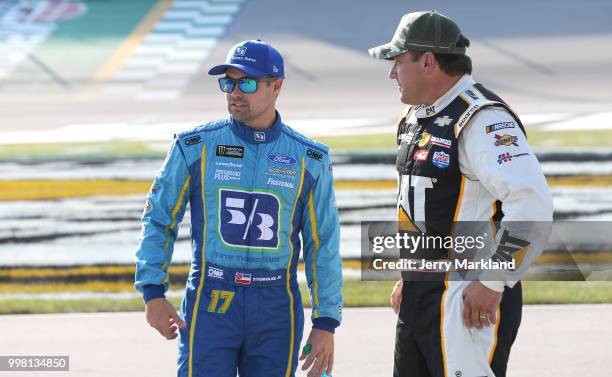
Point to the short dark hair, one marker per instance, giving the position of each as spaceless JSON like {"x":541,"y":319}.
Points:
{"x":451,"y":64}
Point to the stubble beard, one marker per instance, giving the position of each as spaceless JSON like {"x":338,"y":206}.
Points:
{"x":242,"y":115}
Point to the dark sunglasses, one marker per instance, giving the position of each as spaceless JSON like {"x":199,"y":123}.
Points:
{"x":246,"y":84}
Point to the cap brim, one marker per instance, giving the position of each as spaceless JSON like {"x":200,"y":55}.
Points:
{"x":386,"y":51}
{"x":220,"y":69}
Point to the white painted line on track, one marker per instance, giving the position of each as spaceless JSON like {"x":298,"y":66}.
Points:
{"x":183,"y":67}
{"x":194,"y":24}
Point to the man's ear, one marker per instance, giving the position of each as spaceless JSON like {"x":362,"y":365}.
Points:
{"x":278,"y":84}
{"x":428,"y":62}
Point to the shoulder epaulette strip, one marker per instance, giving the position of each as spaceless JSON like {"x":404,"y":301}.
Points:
{"x":476,"y":100}
{"x":320,"y":147}
{"x":206,"y":127}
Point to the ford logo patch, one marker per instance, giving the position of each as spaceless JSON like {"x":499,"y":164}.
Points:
{"x":282,"y":159}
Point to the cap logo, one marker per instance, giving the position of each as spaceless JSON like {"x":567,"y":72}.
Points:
{"x":240,"y":51}
{"x":274,"y":69}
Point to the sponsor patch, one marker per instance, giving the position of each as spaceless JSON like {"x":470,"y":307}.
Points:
{"x":154,"y":189}
{"x":229,"y":164}
{"x":314,"y":154}
{"x":242,"y":278}
{"x":267,"y":278}
{"x":508,"y":246}
{"x":274,"y":170}
{"x":406,"y":137}
{"x":233,"y":151}
{"x":471,"y":94}
{"x":500,"y":126}
{"x":215,"y":273}
{"x":506,"y":140}
{"x":227,"y":175}
{"x":279,"y":183}
{"x":248,"y":219}
{"x":441,"y":142}
{"x":259,"y":136}
{"x":282,"y":159}
{"x":443,"y":121}
{"x":240,"y":51}
{"x":467,"y":116}
{"x":430,"y":110}
{"x":148,"y":206}
{"x":421,"y":155}
{"x":423,"y":139}
{"x":193,"y":140}
{"x":440,"y":160}
{"x":507,"y":157}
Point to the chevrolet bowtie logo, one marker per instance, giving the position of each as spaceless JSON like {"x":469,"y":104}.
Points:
{"x":443,"y":121}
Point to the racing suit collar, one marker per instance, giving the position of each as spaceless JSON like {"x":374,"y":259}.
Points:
{"x":460,"y":86}
{"x":253,"y":136}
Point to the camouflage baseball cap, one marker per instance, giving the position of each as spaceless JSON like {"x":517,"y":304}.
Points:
{"x":423,"y":31}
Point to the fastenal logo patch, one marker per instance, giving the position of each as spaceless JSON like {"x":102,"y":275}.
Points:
{"x":440,"y":160}
{"x":500,"y":126}
{"x":282,"y":159}
{"x":506,"y":140}
{"x":233,"y":151}
{"x":421,"y":155}
{"x":314,"y":154}
{"x":278,"y":182}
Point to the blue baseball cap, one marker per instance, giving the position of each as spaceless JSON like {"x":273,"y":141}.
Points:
{"x":253,"y":57}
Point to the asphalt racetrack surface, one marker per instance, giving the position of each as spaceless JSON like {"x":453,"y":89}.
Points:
{"x":554,"y":341}
{"x":540,"y":56}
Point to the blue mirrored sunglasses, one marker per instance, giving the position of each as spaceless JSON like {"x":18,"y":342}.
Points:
{"x":245,"y":84}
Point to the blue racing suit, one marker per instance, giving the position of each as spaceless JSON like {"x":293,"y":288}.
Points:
{"x":251,"y":194}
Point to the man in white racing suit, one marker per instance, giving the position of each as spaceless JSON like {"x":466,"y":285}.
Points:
{"x":463,"y":164}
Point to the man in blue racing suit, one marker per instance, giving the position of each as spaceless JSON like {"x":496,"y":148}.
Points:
{"x":253,"y":185}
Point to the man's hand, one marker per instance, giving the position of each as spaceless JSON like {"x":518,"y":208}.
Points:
{"x":396,"y":296}
{"x":480,"y":305}
{"x":321,"y":357}
{"x":162,"y":316}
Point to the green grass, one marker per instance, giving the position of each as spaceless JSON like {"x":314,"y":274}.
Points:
{"x":360,"y":142}
{"x":580,"y":139}
{"x":567,"y":292}
{"x":386,"y":141}
{"x":356,"y":294}
{"x":81,"y":150}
